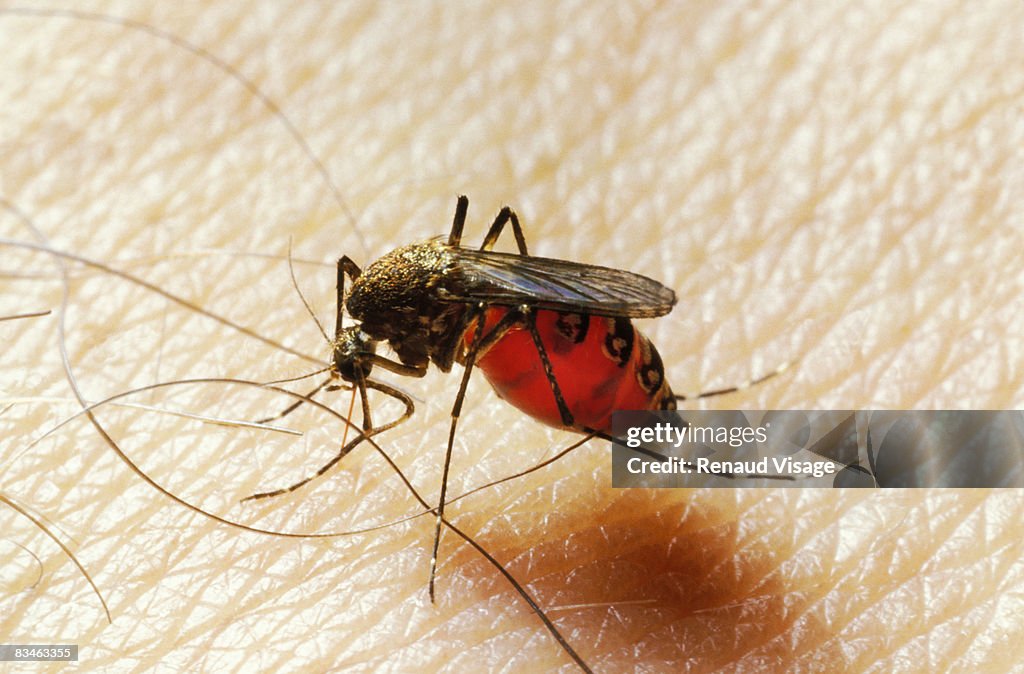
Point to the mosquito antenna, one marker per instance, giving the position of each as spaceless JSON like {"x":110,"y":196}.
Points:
{"x":300,"y":377}
{"x":309,"y":309}
{"x":34,"y":314}
{"x":337,"y":332}
{"x":305,"y":303}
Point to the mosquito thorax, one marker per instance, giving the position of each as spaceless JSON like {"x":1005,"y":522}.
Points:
{"x":400,"y":299}
{"x":399,"y":282}
{"x":352,"y":354}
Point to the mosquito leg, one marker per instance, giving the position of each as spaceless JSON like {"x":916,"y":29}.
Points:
{"x":396,"y":367}
{"x":738,"y":387}
{"x":365,"y":401}
{"x":532,"y":469}
{"x":510,"y":320}
{"x":350,"y":267}
{"x":294,"y":406}
{"x":563,"y":409}
{"x":505,"y":215}
{"x":526,"y":597}
{"x":348,"y":447}
{"x":734,"y":389}
{"x":339,"y":300}
{"x":658,"y":456}
{"x":345,"y":266}
{"x":397,"y":395}
{"x":323,"y":469}
{"x":363,"y":383}
{"x":456,"y":411}
{"x":459,"y":222}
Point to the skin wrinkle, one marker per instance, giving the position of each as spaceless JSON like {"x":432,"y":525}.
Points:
{"x":884,"y":592}
{"x":713,"y":211}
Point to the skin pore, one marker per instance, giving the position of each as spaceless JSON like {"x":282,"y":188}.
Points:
{"x":832,"y":185}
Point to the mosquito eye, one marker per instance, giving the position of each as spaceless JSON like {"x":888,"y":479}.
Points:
{"x":353,"y":369}
{"x":351,"y":355}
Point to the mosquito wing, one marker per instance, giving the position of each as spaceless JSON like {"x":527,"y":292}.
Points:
{"x":560,"y":285}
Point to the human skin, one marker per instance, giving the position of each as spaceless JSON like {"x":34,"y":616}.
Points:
{"x":825,"y":183}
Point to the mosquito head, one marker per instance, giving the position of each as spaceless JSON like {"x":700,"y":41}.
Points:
{"x":353,"y":354}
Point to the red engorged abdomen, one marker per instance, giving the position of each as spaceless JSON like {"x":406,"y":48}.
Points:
{"x":593,"y":384}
